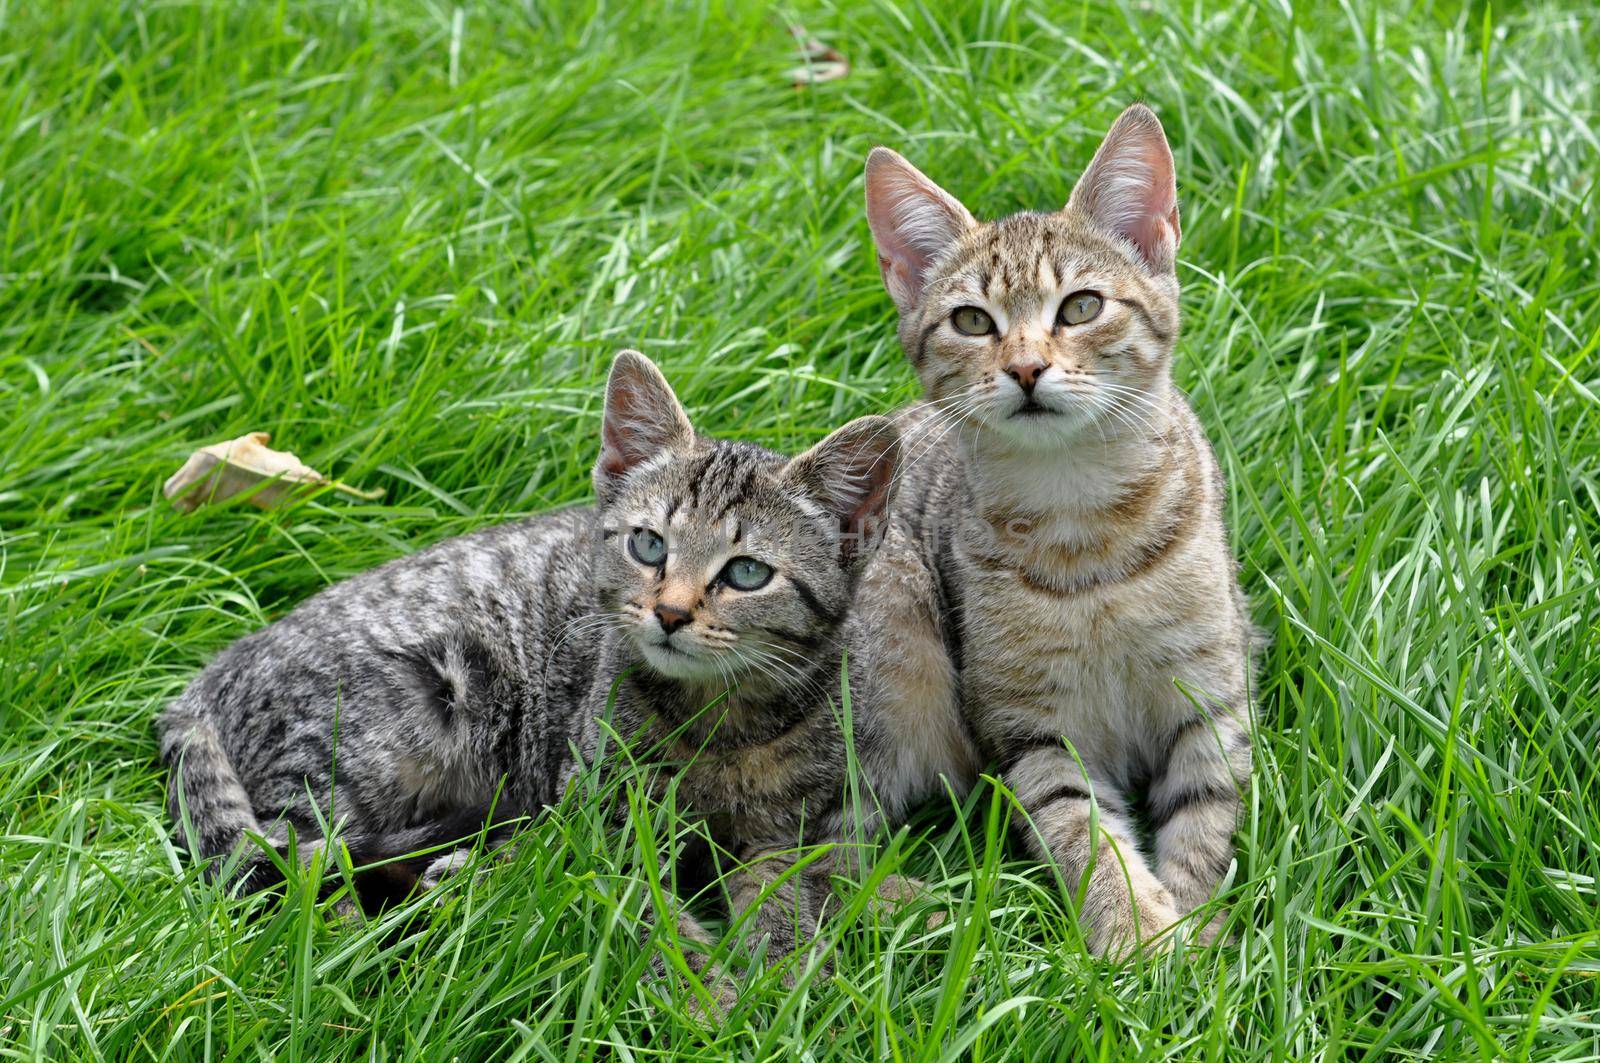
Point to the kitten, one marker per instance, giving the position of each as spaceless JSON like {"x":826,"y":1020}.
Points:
{"x":1076,"y":511}
{"x":710,"y":573}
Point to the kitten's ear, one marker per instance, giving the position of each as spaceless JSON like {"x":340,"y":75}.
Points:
{"x":852,"y":475}
{"x":1130,"y":189}
{"x":912,"y":221}
{"x":643,"y":419}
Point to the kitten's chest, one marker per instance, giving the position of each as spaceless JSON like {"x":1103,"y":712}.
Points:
{"x":762,"y":790}
{"x":1063,"y":654}
{"x":1089,"y":663}
{"x":1059,"y":591}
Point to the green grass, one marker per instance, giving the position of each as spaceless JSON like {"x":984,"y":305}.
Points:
{"x":406,"y":238}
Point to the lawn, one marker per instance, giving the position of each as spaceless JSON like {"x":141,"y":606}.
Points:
{"x":406,"y":238}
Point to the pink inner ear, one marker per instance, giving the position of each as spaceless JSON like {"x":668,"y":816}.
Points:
{"x":898,"y":275}
{"x":627,"y":432}
{"x":1155,"y":236}
{"x":642,"y":417}
{"x":851,"y":474}
{"x":1137,"y":199}
{"x":866,"y":478}
{"x":863,"y":518}
{"x":912,"y":221}
{"x":1130,"y":188}
{"x":898,"y":223}
{"x":614,"y":459}
{"x":1157,"y":212}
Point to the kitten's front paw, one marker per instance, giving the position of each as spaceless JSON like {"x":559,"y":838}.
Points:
{"x":712,"y":1007}
{"x":707,"y":994}
{"x":443,"y":867}
{"x":346,"y":912}
{"x":896,"y":892}
{"x":1211,"y":933}
{"x":1133,"y":924}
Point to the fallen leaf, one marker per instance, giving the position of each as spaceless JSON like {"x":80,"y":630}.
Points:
{"x":823,"y":62}
{"x":222,"y":470}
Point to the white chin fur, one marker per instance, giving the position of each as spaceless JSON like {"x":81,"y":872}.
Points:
{"x":677,"y":665}
{"x":1043,"y":430}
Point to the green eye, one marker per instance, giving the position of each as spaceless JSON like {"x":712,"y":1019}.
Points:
{"x":1080,"y":307}
{"x":747,"y":574}
{"x":647,"y":547}
{"x":970,"y":321}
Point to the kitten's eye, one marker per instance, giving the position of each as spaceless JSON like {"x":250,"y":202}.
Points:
{"x":1080,"y":307}
{"x":647,"y":547}
{"x":747,"y":574}
{"x":970,"y":321}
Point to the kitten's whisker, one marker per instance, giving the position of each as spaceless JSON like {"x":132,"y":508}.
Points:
{"x":1123,"y":417}
{"x":943,"y":420}
{"x":1132,"y":394}
{"x":799,"y":675}
{"x":770,"y":651}
{"x":929,"y":447}
{"x":1135,"y":404}
{"x":769,"y":667}
{"x":909,"y":432}
{"x":1130,"y":406}
{"x":935,"y":416}
{"x":578,"y":626}
{"x":1140,"y":422}
{"x":798,"y":678}
{"x":776,"y":647}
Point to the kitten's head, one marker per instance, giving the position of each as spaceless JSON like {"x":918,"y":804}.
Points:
{"x":719,"y":558}
{"x":1039,"y":326}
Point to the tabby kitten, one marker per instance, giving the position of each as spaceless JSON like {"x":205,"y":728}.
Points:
{"x":711,"y":573}
{"x":1076,"y":509}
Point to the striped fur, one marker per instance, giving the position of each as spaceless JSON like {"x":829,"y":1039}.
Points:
{"x":1076,"y":515}
{"x":395,"y":703}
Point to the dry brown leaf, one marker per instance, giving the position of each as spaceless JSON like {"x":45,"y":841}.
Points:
{"x":222,"y":470}
{"x":823,"y":62}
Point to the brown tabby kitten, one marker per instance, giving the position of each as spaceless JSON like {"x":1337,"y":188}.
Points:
{"x":1076,"y":514}
{"x":707,"y":607}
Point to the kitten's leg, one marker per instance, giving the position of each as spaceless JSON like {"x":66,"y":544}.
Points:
{"x":845,"y":872}
{"x":898,"y":892}
{"x":724,"y":993}
{"x":788,"y":917}
{"x":442,"y":867}
{"x":1194,"y":806}
{"x":299,"y":818}
{"x":1085,"y":826}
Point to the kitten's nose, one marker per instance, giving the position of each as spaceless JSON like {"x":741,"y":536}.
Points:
{"x":671,"y":617}
{"x":1026,"y":373}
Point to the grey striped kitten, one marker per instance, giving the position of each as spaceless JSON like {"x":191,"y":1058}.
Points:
{"x":1076,"y":512}
{"x":710,"y":573}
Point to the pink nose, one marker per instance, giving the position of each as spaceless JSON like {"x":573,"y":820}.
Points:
{"x":672,"y":618}
{"x":1026,"y":374}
